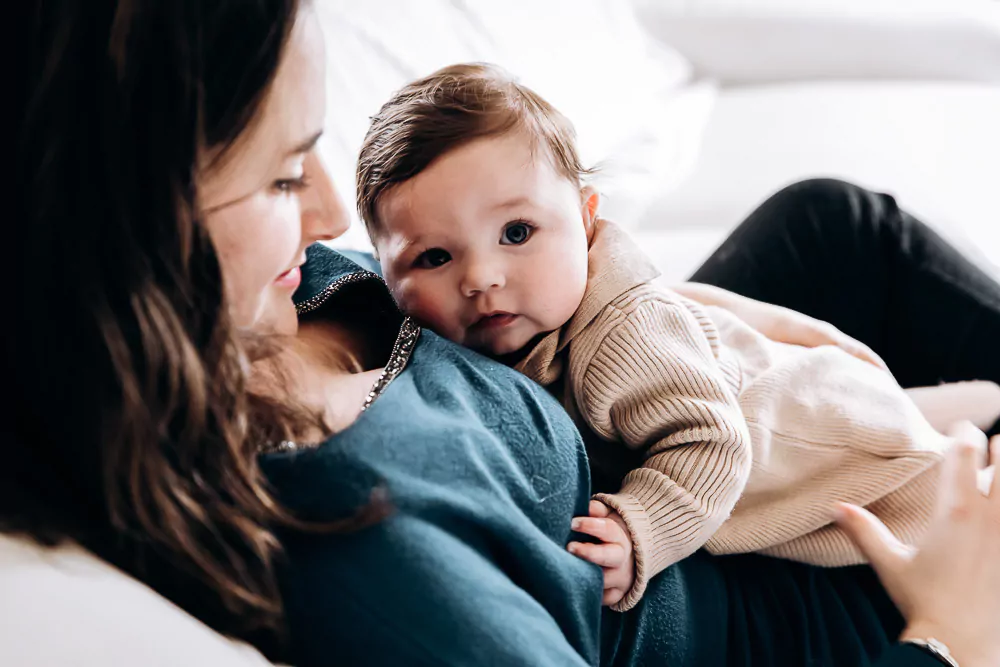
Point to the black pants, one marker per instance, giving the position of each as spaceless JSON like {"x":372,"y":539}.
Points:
{"x":851,"y":257}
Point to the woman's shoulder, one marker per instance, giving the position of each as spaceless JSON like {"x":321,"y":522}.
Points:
{"x":474,"y":461}
{"x":451,"y":420}
{"x":447,"y":389}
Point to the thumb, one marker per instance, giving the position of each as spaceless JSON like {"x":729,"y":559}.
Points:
{"x":865,"y":353}
{"x":598,"y":509}
{"x":885,"y":553}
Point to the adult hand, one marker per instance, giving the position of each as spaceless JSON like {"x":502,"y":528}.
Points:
{"x":949,"y":587}
{"x":780,"y":324}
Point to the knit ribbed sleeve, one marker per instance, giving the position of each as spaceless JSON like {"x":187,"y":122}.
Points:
{"x":649,"y":377}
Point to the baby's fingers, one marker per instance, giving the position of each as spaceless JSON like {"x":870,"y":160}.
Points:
{"x":612,"y":596}
{"x":599,"y":509}
{"x":862,"y":352}
{"x":606,"y":530}
{"x":605,"y":555}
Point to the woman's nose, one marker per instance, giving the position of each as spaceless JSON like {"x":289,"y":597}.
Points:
{"x":324,"y":216}
{"x":482,"y":276}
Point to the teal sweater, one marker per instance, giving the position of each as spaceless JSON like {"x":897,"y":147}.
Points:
{"x":484,"y":472}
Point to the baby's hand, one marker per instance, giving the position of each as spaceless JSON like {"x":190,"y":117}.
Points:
{"x":613,"y":554}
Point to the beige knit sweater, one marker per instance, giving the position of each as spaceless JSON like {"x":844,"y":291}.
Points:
{"x":749,"y":442}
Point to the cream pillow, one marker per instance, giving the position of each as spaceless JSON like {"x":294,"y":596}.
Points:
{"x":65,"y":606}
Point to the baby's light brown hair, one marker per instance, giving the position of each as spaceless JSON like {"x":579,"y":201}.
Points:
{"x":446,"y":110}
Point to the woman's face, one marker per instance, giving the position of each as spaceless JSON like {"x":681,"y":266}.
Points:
{"x":272,"y":197}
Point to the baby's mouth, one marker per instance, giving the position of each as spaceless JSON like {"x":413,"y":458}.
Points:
{"x":493,"y":321}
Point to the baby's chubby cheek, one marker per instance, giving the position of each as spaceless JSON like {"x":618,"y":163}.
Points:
{"x":428,"y":310}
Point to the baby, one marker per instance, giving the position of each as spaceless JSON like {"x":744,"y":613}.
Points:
{"x":472,"y":192}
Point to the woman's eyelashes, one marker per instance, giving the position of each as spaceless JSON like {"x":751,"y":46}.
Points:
{"x":291,"y":185}
{"x":431,"y":259}
{"x":516,"y":233}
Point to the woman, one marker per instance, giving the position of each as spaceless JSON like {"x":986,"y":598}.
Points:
{"x":169,"y":190}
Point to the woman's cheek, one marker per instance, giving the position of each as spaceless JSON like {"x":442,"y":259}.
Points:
{"x":242,"y":282}
{"x":263,"y":243}
{"x":248,"y":291}
{"x":286,"y":234}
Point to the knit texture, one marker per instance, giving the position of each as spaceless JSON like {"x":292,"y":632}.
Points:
{"x":748,"y":442}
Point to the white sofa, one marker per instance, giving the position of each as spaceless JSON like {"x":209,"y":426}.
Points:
{"x":724,"y":101}
{"x":718,"y":104}
{"x":902,"y":96}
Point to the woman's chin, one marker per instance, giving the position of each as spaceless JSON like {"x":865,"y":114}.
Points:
{"x":286,"y":320}
{"x":276,"y":317}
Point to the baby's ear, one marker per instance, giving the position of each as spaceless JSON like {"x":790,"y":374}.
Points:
{"x":590,"y":201}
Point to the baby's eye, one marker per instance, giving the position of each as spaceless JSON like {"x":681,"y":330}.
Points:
{"x":433,"y":258}
{"x":516,"y":233}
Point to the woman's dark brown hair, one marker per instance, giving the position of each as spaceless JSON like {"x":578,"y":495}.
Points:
{"x":128,"y":425}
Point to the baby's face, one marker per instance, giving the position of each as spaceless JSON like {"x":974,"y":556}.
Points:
{"x":487,"y":246}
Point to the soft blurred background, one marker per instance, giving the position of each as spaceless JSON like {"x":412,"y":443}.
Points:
{"x":698,"y":109}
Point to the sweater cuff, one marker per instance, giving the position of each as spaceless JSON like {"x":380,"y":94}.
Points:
{"x":634,"y":515}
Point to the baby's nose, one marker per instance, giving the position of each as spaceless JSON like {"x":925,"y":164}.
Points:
{"x":481,"y":278}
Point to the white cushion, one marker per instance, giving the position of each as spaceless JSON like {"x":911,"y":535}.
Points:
{"x":935,"y":146}
{"x":66,"y":607}
{"x":741,"y":41}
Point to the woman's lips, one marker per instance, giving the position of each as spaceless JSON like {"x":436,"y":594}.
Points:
{"x":290,"y":279}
